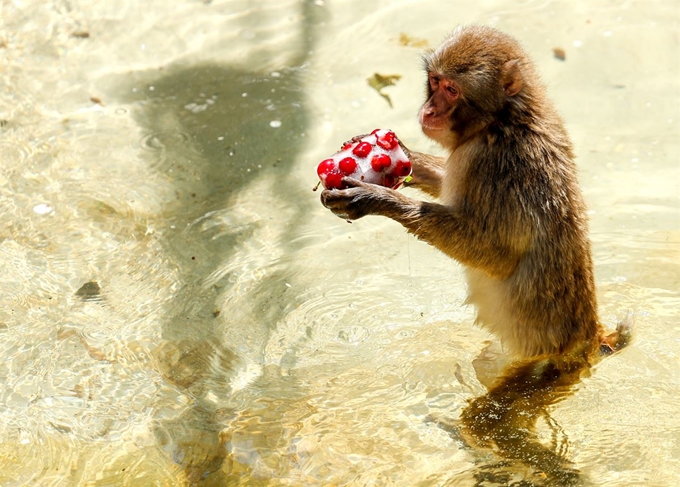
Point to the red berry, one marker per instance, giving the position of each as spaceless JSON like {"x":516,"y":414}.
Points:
{"x":347,"y":165}
{"x":389,"y":180}
{"x":334,"y":181}
{"x":346,"y":146}
{"x":362,"y":149}
{"x":325,"y":167}
{"x":380,"y":162}
{"x":403,"y":168}
{"x":388,"y":141}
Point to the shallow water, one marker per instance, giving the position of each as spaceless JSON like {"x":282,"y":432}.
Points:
{"x":177,"y":308}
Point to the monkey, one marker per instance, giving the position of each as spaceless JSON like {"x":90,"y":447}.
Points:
{"x":508,"y":208}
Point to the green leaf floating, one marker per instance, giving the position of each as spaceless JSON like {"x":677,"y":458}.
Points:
{"x":380,"y":81}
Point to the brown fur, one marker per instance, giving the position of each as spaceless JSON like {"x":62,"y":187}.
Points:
{"x":511,"y":210}
{"x":512,"y":213}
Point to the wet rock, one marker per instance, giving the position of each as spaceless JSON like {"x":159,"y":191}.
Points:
{"x":90,"y":291}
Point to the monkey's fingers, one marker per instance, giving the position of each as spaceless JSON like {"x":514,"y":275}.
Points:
{"x":334,"y":201}
{"x":348,"y":204}
{"x":354,"y":140}
{"x":405,"y":149}
{"x":355,"y":183}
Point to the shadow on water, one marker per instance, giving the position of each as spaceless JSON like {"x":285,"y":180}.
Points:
{"x":217,"y":133}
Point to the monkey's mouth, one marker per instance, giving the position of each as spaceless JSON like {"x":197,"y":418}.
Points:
{"x":433,"y":127}
{"x":432,"y":124}
{"x":433,"y":131}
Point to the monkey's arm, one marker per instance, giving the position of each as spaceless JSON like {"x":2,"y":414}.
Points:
{"x":459,"y":235}
{"x":428,"y":172}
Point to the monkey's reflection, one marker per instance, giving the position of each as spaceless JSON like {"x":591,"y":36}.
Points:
{"x":504,"y":420}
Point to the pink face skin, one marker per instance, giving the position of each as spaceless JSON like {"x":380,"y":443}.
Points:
{"x":435,"y":115}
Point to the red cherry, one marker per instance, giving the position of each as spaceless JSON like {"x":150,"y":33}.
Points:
{"x":325,"y":167}
{"x":388,"y":141}
{"x":380,"y":162}
{"x":403,"y":168}
{"x":347,"y":165}
{"x":346,"y":146}
{"x":362,"y":149}
{"x":334,"y":181}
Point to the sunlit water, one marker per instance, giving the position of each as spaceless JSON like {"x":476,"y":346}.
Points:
{"x":177,"y":308}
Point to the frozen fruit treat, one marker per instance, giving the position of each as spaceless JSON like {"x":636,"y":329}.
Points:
{"x":376,"y":158}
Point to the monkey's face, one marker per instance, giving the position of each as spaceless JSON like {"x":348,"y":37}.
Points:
{"x":436,"y":114}
{"x":471,"y":77}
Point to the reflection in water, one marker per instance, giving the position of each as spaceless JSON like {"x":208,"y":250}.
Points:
{"x":504,"y":420}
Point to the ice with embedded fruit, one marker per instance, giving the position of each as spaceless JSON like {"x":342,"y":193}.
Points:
{"x":376,"y":158}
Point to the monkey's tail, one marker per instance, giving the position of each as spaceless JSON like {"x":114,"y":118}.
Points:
{"x":612,"y":343}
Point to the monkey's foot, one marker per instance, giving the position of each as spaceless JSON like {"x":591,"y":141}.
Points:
{"x":614,"y":342}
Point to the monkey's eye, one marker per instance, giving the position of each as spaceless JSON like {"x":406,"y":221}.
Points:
{"x":452,"y":90}
{"x":434,"y":82}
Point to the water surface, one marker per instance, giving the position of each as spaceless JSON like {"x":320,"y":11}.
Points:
{"x":178,"y":308}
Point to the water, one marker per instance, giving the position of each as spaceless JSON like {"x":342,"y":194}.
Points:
{"x":179,"y":309}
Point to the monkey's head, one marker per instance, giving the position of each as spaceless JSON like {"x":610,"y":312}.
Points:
{"x":475,"y":74}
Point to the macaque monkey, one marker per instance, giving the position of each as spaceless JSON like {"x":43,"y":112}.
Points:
{"x":510,"y":208}
{"x":511,"y":211}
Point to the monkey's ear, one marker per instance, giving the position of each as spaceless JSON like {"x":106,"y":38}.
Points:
{"x":511,"y":78}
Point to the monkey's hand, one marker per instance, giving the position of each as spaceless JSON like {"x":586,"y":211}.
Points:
{"x":428,"y":172}
{"x":359,"y":199}
{"x":406,"y":150}
{"x":354,"y":140}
